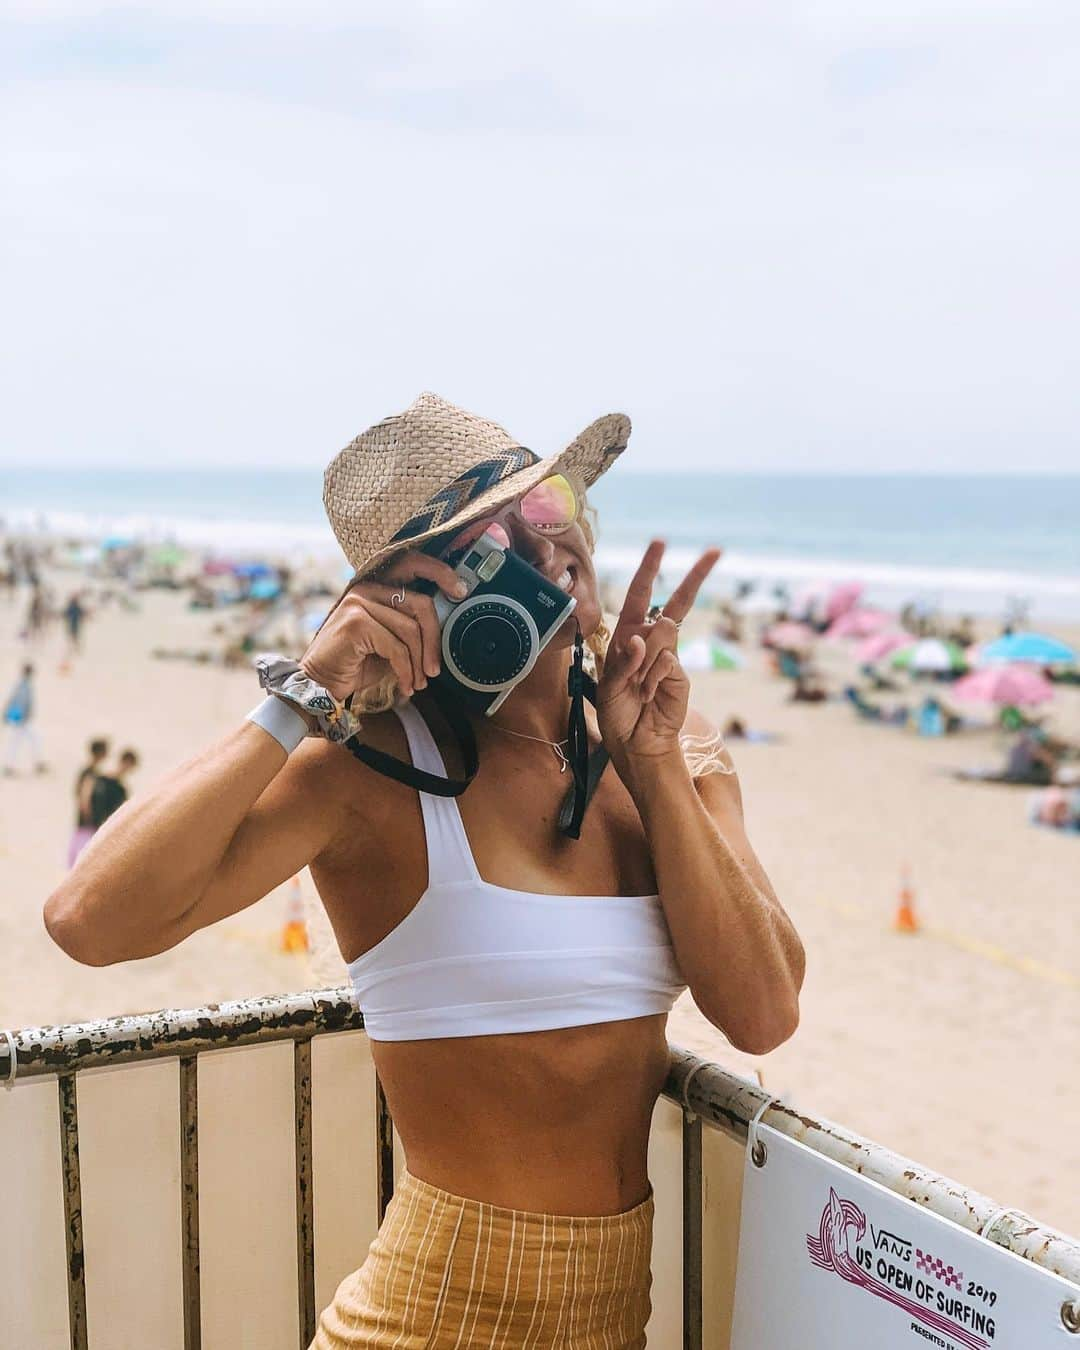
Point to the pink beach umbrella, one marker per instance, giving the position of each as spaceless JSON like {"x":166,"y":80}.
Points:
{"x":790,"y":637}
{"x":842,"y":598}
{"x":1014,"y":686}
{"x":881,"y":645}
{"x":859,"y":623}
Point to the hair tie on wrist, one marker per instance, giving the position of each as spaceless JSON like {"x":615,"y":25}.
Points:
{"x":282,"y":676}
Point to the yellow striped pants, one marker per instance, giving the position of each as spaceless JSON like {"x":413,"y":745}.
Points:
{"x":446,"y":1273}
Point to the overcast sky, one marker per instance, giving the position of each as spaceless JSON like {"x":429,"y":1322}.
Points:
{"x":779,"y":235}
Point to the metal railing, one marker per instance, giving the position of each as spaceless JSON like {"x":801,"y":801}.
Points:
{"x":703,"y":1091}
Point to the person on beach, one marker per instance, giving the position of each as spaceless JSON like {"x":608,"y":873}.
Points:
{"x":73,"y":614}
{"x":37,"y":613}
{"x":1031,"y":759}
{"x":1057,"y":808}
{"x":808,"y":688}
{"x":18,"y":718}
{"x":110,"y":791}
{"x":9,"y":574}
{"x":514,"y":954}
{"x":735,"y":729}
{"x":84,"y":787}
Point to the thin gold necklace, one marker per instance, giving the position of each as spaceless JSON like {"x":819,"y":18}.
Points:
{"x":557,"y":746}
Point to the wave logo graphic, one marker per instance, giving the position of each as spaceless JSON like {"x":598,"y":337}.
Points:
{"x":829,"y":1249}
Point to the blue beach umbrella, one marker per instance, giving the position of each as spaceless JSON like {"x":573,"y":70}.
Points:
{"x":264,"y":588}
{"x":1038,"y":648}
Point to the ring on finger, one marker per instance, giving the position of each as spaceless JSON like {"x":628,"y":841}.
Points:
{"x":398,"y":598}
{"x":656,"y":613}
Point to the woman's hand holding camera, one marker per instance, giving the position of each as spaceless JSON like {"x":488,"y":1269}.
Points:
{"x":379,"y":626}
{"x":644,"y":692}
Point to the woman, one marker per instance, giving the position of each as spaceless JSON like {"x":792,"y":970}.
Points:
{"x":110,"y":790}
{"x":18,"y":717}
{"x":85,"y":824}
{"x":517,"y":1008}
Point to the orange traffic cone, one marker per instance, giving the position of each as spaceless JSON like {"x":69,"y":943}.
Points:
{"x":294,"y":936}
{"x":905,"y":920}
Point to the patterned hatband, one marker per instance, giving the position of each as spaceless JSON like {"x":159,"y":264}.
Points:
{"x":451,"y":500}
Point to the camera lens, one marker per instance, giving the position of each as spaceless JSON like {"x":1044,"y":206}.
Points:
{"x":491,"y":643}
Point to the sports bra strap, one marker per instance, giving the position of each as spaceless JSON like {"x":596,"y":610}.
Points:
{"x":450,"y":858}
{"x":416,"y":777}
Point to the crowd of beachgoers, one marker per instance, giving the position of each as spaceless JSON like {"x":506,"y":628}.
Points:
{"x":880,"y":752}
{"x":928,"y":673}
{"x":917,"y":669}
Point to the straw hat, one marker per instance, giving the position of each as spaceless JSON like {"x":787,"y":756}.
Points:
{"x":434,"y":468}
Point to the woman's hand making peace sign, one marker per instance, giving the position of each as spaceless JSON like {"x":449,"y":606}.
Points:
{"x":642,"y":696}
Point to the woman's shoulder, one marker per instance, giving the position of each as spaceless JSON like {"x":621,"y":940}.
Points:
{"x":378,"y":818}
{"x":317,"y":760}
{"x":330,"y":772}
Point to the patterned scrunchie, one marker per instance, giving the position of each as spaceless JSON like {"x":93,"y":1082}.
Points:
{"x":282,"y":676}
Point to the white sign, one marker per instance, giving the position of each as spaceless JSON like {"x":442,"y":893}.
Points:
{"x":828,"y":1258}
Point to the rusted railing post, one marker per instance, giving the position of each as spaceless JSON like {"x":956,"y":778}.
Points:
{"x":691,"y":1218}
{"x":305,"y":1217}
{"x":73,"y":1227}
{"x":189,"y":1201}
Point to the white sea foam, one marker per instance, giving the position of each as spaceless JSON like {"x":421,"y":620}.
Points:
{"x":224,"y":537}
{"x":911,"y":579}
{"x":980,"y":590}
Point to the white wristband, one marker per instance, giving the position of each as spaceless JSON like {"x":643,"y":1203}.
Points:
{"x":275,"y":716}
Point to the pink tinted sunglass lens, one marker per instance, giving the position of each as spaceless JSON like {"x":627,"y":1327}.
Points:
{"x":551,"y":505}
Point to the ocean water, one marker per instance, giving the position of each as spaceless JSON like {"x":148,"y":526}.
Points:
{"x":961,"y":542}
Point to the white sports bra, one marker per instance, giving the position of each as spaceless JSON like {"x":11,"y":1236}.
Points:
{"x":474,"y":959}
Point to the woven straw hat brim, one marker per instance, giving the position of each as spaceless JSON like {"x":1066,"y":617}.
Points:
{"x":584,"y":460}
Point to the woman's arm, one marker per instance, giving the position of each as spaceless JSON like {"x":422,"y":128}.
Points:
{"x":228,"y":826}
{"x":737,"y":949}
{"x":215,"y":835}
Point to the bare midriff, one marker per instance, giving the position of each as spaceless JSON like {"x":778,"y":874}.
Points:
{"x":553,"y":1121}
{"x":550,"y":1121}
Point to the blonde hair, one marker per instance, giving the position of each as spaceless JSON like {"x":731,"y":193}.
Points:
{"x":703,"y":754}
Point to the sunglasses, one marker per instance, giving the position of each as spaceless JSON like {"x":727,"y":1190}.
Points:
{"x":549,"y":508}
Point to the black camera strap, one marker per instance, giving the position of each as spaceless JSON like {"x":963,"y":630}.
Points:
{"x":454,"y":712}
{"x":586,"y":768}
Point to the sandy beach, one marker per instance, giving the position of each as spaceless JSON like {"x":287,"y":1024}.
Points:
{"x":956,"y":1045}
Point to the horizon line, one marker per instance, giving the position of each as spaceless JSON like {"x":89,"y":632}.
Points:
{"x":628,"y":470}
